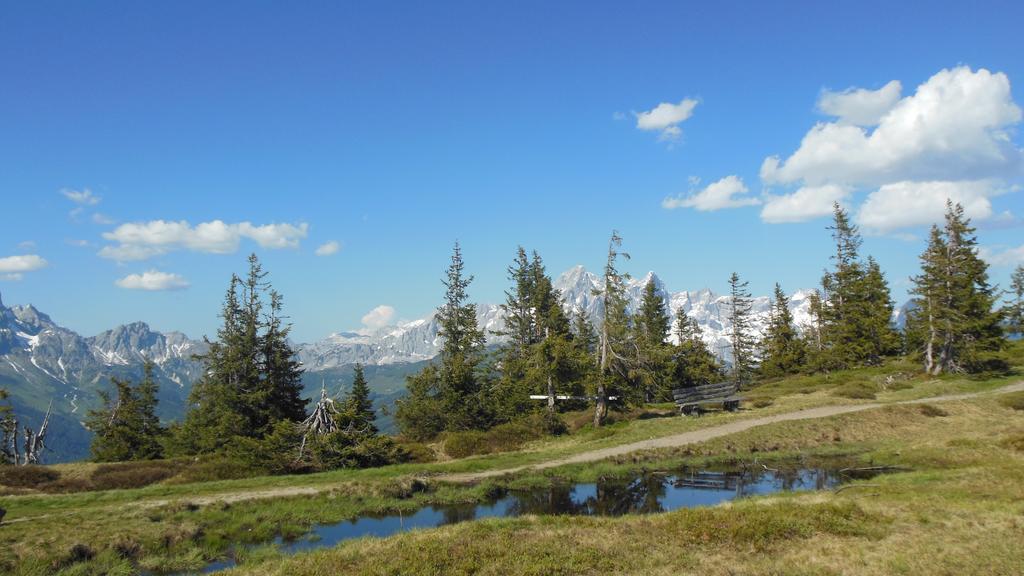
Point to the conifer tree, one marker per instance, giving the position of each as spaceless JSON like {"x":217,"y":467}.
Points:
{"x":881,"y":339}
{"x":782,"y":350}
{"x":449,"y":395}
{"x":1015,"y":309}
{"x":358,"y":405}
{"x":281,"y":370}
{"x":252,"y":380}
{"x":584,"y":335}
{"x":461,"y":351}
{"x":856,"y":310}
{"x":652,"y":319}
{"x":651,"y":327}
{"x":554,"y":364}
{"x":740,"y":332}
{"x":613,"y":337}
{"x":813,"y":332}
{"x":8,"y":431}
{"x":693,"y":363}
{"x":421,"y":413}
{"x":928,"y":290}
{"x":518,"y":311}
{"x":126,"y":427}
{"x":957,"y":326}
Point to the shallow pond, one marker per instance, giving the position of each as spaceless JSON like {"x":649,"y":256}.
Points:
{"x":642,"y":493}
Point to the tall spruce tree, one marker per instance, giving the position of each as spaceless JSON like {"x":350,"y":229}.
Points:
{"x":881,"y":339}
{"x":461,"y":351}
{"x":614,"y":333}
{"x":693,"y":364}
{"x":126,"y":427}
{"x":518,"y":312}
{"x":554,"y":364}
{"x":856,"y":308}
{"x":958,"y":327}
{"x":449,"y":395}
{"x":1015,"y":309}
{"x":511,"y":395}
{"x":741,"y":335}
{"x":8,"y":431}
{"x":782,"y":349}
{"x":358,"y":405}
{"x":252,"y":380}
{"x":814,"y":332}
{"x":538,"y":357}
{"x":584,"y":334}
{"x":927,"y":311}
{"x":651,"y":328}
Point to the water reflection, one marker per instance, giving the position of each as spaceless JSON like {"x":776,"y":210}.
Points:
{"x":643,"y":493}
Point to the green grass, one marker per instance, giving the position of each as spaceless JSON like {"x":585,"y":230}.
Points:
{"x":169,"y":526}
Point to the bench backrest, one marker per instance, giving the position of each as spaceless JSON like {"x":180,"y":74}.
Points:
{"x":705,"y":392}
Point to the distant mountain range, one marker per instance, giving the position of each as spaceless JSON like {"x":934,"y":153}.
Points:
{"x":41,"y":361}
{"x":418,"y":340}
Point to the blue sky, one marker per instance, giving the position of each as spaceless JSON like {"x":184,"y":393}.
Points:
{"x":395,"y":128}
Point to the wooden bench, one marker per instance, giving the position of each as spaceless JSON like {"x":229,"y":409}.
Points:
{"x":691,"y":400}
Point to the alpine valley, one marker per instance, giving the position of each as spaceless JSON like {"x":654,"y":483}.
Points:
{"x":42,"y":362}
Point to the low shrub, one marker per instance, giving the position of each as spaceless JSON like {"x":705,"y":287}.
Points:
{"x":1014,"y":400}
{"x":345,"y":449}
{"x":77,"y":553}
{"x":214,"y":468}
{"x":131,"y":475}
{"x":932,"y":411}
{"x":503,"y":437}
{"x":462,"y":444}
{"x":27,"y":476}
{"x":416,"y":452}
{"x":66,"y":485}
{"x":856,"y":391}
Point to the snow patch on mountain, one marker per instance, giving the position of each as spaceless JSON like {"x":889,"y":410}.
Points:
{"x":419,"y":339}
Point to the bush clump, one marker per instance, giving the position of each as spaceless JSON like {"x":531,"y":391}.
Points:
{"x":857,"y":391}
{"x":503,"y":437}
{"x":31,"y":476}
{"x":932,"y":411}
{"x":132,"y":474}
{"x":416,"y":452}
{"x":1014,"y":400}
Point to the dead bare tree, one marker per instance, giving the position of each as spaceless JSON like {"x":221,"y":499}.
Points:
{"x":33,"y":442}
{"x":322,"y":421}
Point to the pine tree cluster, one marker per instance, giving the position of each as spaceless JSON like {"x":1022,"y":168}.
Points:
{"x":954,"y":324}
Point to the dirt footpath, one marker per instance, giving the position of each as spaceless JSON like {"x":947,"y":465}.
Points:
{"x":705,"y":434}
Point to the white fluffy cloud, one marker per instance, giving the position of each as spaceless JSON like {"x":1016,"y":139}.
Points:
{"x":328,"y":248}
{"x":141,"y":240}
{"x":954,"y":127}
{"x":14,"y":267}
{"x":860,"y":107}
{"x":666,"y":118}
{"x":953,"y":132}
{"x":83,"y":197}
{"x":907,"y":204}
{"x":806,"y":203}
{"x":153,"y":281}
{"x":1003,"y":256}
{"x":379,"y":317}
{"x":725,"y":193}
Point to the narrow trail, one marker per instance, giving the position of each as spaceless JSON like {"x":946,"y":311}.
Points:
{"x":705,"y":434}
{"x":683,"y":439}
